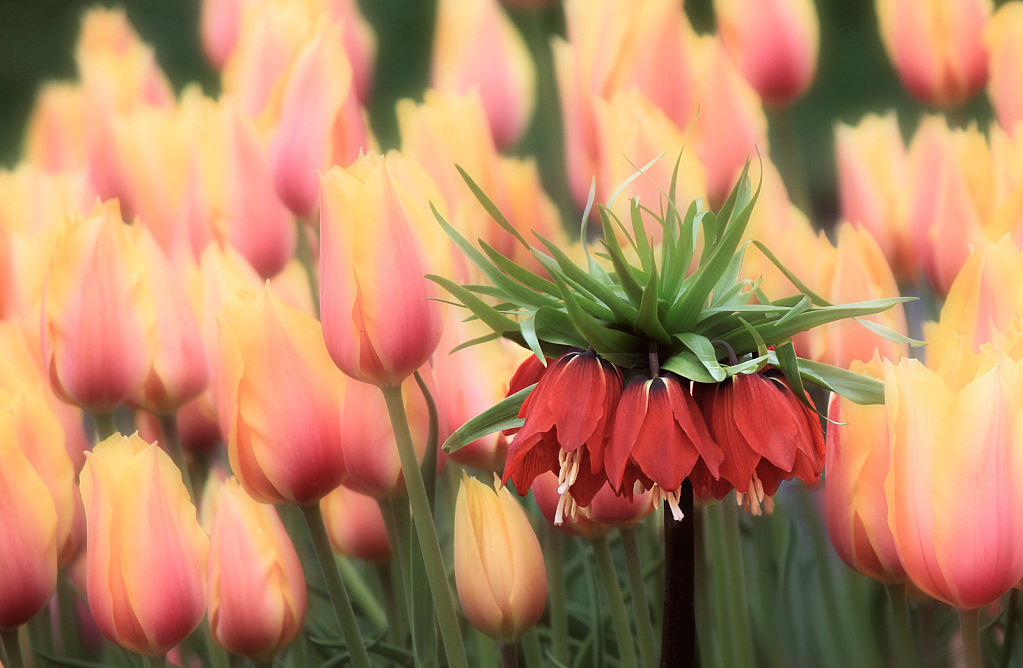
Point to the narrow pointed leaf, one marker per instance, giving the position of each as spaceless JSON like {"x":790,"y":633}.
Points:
{"x":490,"y":207}
{"x":646,"y":255}
{"x":648,"y":321}
{"x":502,"y":415}
{"x":623,"y":311}
{"x":889,"y":333}
{"x":474,"y":342}
{"x":702,"y":347}
{"x":602,"y":338}
{"x":855,"y":387}
{"x":789,"y":364}
{"x":817,"y":299}
{"x":688,"y":365}
{"x":488,"y":314}
{"x":527,"y":326}
{"x":803,"y":305}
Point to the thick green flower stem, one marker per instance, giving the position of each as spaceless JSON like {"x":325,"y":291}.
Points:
{"x":265,"y":664}
{"x":678,"y":633}
{"x":969,"y":621}
{"x":905,"y":646}
{"x":335,"y":586}
{"x":71,"y":639}
{"x":304,"y":253}
{"x":105,"y":425}
{"x":510,"y":655}
{"x":721,"y":523}
{"x":389,"y":594}
{"x":158,"y":661}
{"x":640,"y":605}
{"x":12,"y":648}
{"x":172,"y":444}
{"x":531,"y":650}
{"x":1011,"y":623}
{"x":445,"y":609}
{"x":620,"y":619}
{"x":556,"y":593}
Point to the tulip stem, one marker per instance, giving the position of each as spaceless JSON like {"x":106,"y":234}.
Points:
{"x":106,"y":426}
{"x":429,"y":467}
{"x":71,"y":640}
{"x":787,"y":158}
{"x":423,"y":518}
{"x":678,"y":632}
{"x":335,"y":586}
{"x":386,"y":576}
{"x":158,"y":661}
{"x":640,"y":604}
{"x":510,"y":654}
{"x":556,"y":594}
{"x":531,"y":650}
{"x":12,"y":647}
{"x":626,"y":650}
{"x":969,"y":622}
{"x":304,"y":253}
{"x":905,"y":645}
{"x":172,"y":444}
{"x":1010,"y":629}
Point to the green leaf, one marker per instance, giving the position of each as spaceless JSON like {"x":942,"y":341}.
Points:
{"x":70,"y":663}
{"x":728,"y":279}
{"x":855,"y":387}
{"x":646,"y":255}
{"x":586,"y":217}
{"x":502,"y":415}
{"x":555,"y":326}
{"x":688,"y":365}
{"x":789,"y":365}
{"x":688,"y":234}
{"x":625,"y":276}
{"x":527,"y":326}
{"x":474,"y":342}
{"x":889,"y":333}
{"x":623,"y":311}
{"x":761,"y":346}
{"x":704,"y":351}
{"x":749,"y":366}
{"x":817,"y":299}
{"x":488,"y":314}
{"x":518,"y":272}
{"x":648,"y":321}
{"x":598,"y":335}
{"x":729,"y":207}
{"x":803,"y":305}
{"x":635,"y":175}
{"x":491,"y":208}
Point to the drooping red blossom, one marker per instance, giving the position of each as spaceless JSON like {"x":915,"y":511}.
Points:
{"x":766,"y":433}
{"x":658,"y":436}
{"x":529,"y":373}
{"x":566,"y":426}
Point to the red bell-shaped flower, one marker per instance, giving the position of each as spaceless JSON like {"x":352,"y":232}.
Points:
{"x":658,"y":436}
{"x":766,"y":433}
{"x":565,"y":428}
{"x":529,"y":372}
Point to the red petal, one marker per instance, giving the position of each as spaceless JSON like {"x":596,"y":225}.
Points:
{"x":740,"y":461}
{"x":575,"y":397}
{"x":662,"y":449}
{"x":612,"y":394}
{"x":530,"y":371}
{"x":587,"y":484}
{"x":628,"y":420}
{"x":529,"y":460}
{"x":766,"y":418}
{"x":689,"y":417}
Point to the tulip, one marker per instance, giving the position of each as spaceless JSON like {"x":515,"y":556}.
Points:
{"x":99,"y":319}
{"x":476,"y":46}
{"x":618,"y":46}
{"x":566,"y":423}
{"x":606,"y":511}
{"x":731,"y":125}
{"x":360,"y":44}
{"x":631,"y":131}
{"x":279,"y":402}
{"x":954,"y":429}
{"x":219,"y":25}
{"x":367,"y":437}
{"x":499,"y":568}
{"x":774,"y":44}
{"x":379,"y":238}
{"x":756,"y":460}
{"x":28,"y":533}
{"x":1003,"y":38}
{"x":936,"y":46}
{"x":356,"y":526}
{"x":55,"y":138}
{"x":146,"y":570}
{"x":320,"y":125}
{"x":858,"y":272}
{"x":855,"y":505}
{"x":658,"y":435}
{"x":257,"y":597}
{"x":179,"y":372}
{"x":872,"y":180}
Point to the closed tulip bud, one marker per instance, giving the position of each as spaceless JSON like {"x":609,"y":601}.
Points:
{"x":379,"y":238}
{"x":356,"y":526}
{"x":606,"y":511}
{"x":476,"y":46}
{"x":774,"y":44}
{"x":371,"y":453}
{"x":28,"y":533}
{"x":55,"y":139}
{"x":872,"y":180}
{"x":219,"y":25}
{"x":956,"y":429}
{"x":179,"y":372}
{"x":1003,"y":38}
{"x":257,"y":597}
{"x":731,"y":125}
{"x":146,"y":569}
{"x":279,"y":401}
{"x":936,"y":46}
{"x":858,"y":272}
{"x":99,"y":319}
{"x":321,"y":123}
{"x":499,"y":568}
{"x":618,"y":46}
{"x":360,"y":43}
{"x":855,"y":505}
{"x":631,"y":132}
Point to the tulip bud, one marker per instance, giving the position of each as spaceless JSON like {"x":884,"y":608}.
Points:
{"x":360,"y":43}
{"x":950,"y":430}
{"x":379,"y":239}
{"x":28,"y":533}
{"x":1003,"y":38}
{"x":855,"y":505}
{"x":219,"y":24}
{"x":257,"y":597}
{"x":606,"y":511}
{"x":279,"y":401}
{"x":99,"y":319}
{"x":476,"y":46}
{"x":356,"y":526}
{"x":146,"y":570}
{"x":499,"y":568}
{"x":321,"y":123}
{"x":872,"y":180}
{"x":774,"y":44}
{"x":936,"y":46}
{"x":55,"y":138}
